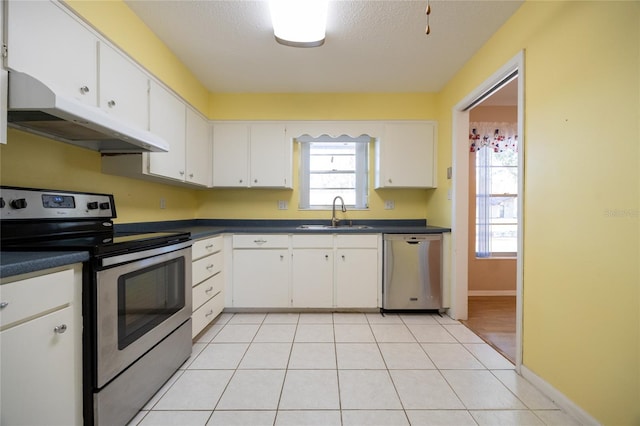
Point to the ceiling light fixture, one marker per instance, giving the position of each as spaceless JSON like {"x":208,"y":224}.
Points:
{"x":299,"y":23}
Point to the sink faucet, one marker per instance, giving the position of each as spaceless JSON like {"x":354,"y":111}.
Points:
{"x":334,"y":219}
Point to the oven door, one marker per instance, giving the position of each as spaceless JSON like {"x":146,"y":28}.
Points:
{"x":138,"y":304}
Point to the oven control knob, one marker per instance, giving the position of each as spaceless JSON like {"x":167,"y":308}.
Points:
{"x":2,"y":203}
{"x":92,"y":205}
{"x":105,"y":206}
{"x":20,"y":203}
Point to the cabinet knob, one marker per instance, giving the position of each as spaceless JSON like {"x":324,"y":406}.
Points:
{"x":191,"y":175}
{"x":326,"y":257}
{"x":4,"y":304}
{"x":390,"y":181}
{"x":240,"y":181}
{"x":84,"y":90}
{"x":343,"y":258}
{"x":60,"y":329}
{"x":281,"y":257}
{"x":181,"y":172}
{"x":111,"y":103}
{"x":255,"y":181}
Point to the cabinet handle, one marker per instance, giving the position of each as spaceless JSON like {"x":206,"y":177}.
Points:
{"x":209,"y":290}
{"x":111,"y":103}
{"x":209,"y":266}
{"x":84,"y":90}
{"x":208,"y":314}
{"x":260,"y":241}
{"x":209,"y":246}
{"x":4,"y":305}
{"x":60,"y":329}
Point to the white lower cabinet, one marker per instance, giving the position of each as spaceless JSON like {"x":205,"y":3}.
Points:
{"x":261,"y":278}
{"x":306,"y":271}
{"x":207,"y":282}
{"x":356,"y":278}
{"x":41,"y":348}
{"x":312,"y":278}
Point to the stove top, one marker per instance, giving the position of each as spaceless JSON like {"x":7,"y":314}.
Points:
{"x":43,"y":220}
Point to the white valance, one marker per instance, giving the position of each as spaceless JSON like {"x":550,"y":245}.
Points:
{"x":499,"y":136}
{"x":334,"y":129}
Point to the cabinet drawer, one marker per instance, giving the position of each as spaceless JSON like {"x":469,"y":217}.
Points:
{"x":261,"y":241}
{"x":206,"y":247}
{"x":206,"y":290}
{"x":206,"y":267}
{"x":357,"y":241}
{"x":312,"y":241}
{"x":32,"y":296}
{"x":206,"y":313}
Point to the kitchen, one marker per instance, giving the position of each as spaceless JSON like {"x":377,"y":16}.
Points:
{"x":55,"y":165}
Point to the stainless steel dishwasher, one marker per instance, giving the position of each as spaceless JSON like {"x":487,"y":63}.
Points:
{"x":412,"y":272}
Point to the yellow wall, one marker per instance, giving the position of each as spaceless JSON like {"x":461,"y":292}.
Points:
{"x":33,"y":161}
{"x":262,"y":204}
{"x":582,"y":194}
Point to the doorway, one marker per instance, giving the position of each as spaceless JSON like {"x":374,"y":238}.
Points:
{"x":461,"y":205}
{"x":493,"y":195}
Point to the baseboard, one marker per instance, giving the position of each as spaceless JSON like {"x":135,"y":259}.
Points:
{"x":491,"y":292}
{"x":570,"y":407}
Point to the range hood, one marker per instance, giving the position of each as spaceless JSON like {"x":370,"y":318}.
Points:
{"x":36,"y":108}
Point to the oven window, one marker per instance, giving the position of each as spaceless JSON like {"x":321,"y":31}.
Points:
{"x":147,"y":297}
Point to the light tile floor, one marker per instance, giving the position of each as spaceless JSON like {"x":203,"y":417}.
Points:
{"x":346,"y":369}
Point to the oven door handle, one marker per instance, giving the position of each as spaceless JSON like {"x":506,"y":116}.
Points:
{"x":138,"y":255}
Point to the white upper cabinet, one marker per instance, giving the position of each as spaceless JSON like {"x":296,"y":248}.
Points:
{"x":251,"y":155}
{"x":406,"y":155}
{"x":167,"y":119}
{"x":124,"y":88}
{"x":45,"y":41}
{"x":230,"y":155}
{"x":198,"y":154}
{"x":270,"y":156}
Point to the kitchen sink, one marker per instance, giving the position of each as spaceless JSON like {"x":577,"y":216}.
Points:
{"x":339,"y":227}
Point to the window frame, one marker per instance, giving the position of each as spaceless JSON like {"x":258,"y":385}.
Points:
{"x":362,"y":145}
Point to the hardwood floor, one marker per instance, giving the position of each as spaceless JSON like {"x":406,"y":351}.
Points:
{"x":493,"y":318}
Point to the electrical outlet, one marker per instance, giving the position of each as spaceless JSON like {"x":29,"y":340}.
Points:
{"x":163,"y":203}
{"x":283,"y":205}
{"x":389,"y":204}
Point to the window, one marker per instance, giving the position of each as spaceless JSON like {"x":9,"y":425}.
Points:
{"x":333,"y":166}
{"x":496,"y":202}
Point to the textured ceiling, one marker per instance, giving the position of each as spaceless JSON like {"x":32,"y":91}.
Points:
{"x":371,"y":46}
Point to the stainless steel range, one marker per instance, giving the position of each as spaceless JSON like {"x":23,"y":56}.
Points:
{"x":136,"y":294}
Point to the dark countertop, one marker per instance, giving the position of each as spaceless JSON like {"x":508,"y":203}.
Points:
{"x":202,"y":228}
{"x":17,"y":263}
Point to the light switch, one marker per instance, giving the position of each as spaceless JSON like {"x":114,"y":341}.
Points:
{"x":389,"y":204}
{"x":283,"y":205}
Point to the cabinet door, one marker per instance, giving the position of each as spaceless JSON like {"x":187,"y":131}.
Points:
{"x":312,"y":279}
{"x":261,"y":278}
{"x":124,"y":88}
{"x":270,"y":156}
{"x":230,"y":155}
{"x":39,"y":372}
{"x":167,"y":115}
{"x":45,"y":41}
{"x":198,"y":144}
{"x":356,"y":278}
{"x":406,"y":156}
